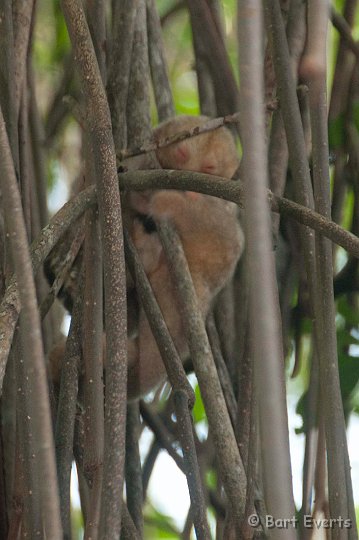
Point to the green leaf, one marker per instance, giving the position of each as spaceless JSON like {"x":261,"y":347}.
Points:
{"x":336,"y":132}
{"x":211,"y":478}
{"x":349,"y":377}
{"x":199,"y":413}
{"x":159,"y":525}
{"x":356,"y":114}
{"x":350,"y":314}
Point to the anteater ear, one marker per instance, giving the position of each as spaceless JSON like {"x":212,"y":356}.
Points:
{"x":181,"y":151}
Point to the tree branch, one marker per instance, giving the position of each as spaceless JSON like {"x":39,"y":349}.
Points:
{"x":100,"y":129}
{"x":30,"y":330}
{"x":230,"y":462}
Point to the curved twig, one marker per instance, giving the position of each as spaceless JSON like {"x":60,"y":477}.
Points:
{"x":155,"y":179}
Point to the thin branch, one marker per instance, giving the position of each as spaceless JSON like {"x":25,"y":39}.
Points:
{"x":222,"y":370}
{"x":39,"y":250}
{"x":224,"y":315}
{"x":301,"y":175}
{"x":265,"y":330}
{"x":178,"y":380}
{"x":134,"y":487}
{"x":244,"y":380}
{"x":7,"y":77}
{"x":345,"y":31}
{"x":66,"y":411}
{"x":320,"y":224}
{"x":278,"y":148}
{"x":159,"y":179}
{"x":314,"y":61}
{"x":173,"y":10}
{"x":165,"y":109}
{"x":230,"y":462}
{"x":37,"y":137}
{"x":128,"y":529}
{"x":96,"y":16}
{"x":233,"y":191}
{"x":26,"y":487}
{"x":22,"y":15}
{"x":340,"y":85}
{"x":138,"y":99}
{"x":298,"y":161}
{"x":100,"y":129}
{"x":205,"y":28}
{"x":148,"y":464}
{"x":149,"y":146}
{"x":30,"y":329}
{"x":185,"y":433}
{"x":164,"y":437}
{"x":311,"y":436}
{"x":169,"y":354}
{"x":212,"y":124}
{"x":93,"y":400}
{"x":58,"y":108}
{"x":160,"y":81}
{"x":205,"y":81}
{"x":339,"y":482}
{"x":63,"y":273}
{"x":188,"y":526}
{"x":123,"y":16}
